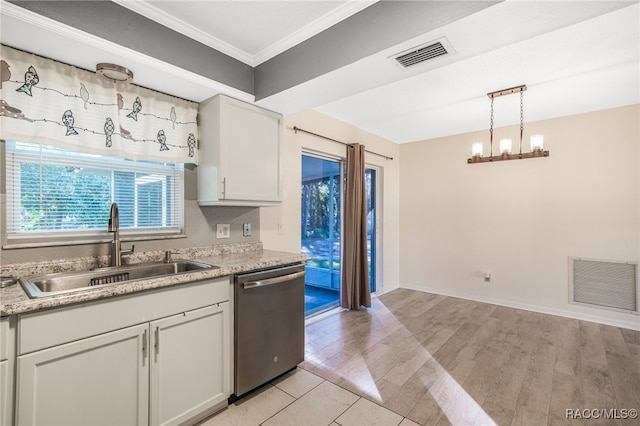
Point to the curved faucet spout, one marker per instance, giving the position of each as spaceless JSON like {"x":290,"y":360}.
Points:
{"x":114,"y":218}
{"x":114,"y":226}
{"x":116,"y":247}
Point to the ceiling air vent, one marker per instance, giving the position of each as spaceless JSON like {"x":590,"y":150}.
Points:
{"x":418,"y":55}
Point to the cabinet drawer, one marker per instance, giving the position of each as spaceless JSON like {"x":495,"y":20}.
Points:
{"x":50,"y":328}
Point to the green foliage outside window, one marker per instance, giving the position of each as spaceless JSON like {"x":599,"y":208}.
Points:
{"x":67,"y":198}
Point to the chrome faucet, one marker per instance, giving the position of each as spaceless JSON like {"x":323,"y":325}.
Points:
{"x":167,"y":256}
{"x":114,"y":226}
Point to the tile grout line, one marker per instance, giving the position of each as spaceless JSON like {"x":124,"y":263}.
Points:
{"x":283,"y":408}
{"x":359,"y":397}
{"x":294,"y":398}
{"x":347,"y":409}
{"x":297,"y":398}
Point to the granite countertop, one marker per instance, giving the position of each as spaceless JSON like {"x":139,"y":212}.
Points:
{"x":230,"y":259}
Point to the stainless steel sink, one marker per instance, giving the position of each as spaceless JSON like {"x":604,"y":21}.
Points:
{"x":66,"y":282}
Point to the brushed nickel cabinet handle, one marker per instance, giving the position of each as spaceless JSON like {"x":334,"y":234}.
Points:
{"x":144,"y":344}
{"x":157,"y":340}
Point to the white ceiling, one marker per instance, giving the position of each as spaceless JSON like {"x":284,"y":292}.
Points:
{"x":574,"y":56}
{"x":250,"y":31}
{"x":583,"y":66}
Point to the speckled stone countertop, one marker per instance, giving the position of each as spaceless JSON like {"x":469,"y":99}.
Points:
{"x":229,"y":258}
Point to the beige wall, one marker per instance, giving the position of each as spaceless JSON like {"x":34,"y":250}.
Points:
{"x":521,"y":220}
{"x":288,"y":214}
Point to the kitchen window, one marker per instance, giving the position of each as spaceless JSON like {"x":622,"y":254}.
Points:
{"x":56,"y":196}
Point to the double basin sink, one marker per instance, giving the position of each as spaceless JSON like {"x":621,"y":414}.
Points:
{"x":68,"y":282}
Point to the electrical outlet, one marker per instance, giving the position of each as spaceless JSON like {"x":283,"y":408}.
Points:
{"x":222,"y":230}
{"x":487,"y":277}
{"x":246,"y":229}
{"x":280,"y":228}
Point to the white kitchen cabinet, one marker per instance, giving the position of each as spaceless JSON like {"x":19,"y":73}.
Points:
{"x":189,"y":354}
{"x":7,"y":357}
{"x":5,"y":393}
{"x":99,"y":380}
{"x":239,"y":159}
{"x":158,"y":357}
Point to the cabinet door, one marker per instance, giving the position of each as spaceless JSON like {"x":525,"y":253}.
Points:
{"x":5,"y":392}
{"x":7,"y":342}
{"x":190,"y":364}
{"x":101,"y":380}
{"x":250,"y":140}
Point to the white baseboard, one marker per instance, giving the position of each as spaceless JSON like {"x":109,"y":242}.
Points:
{"x":632,"y":325}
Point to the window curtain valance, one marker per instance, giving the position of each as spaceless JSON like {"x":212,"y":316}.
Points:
{"x":45,"y":101}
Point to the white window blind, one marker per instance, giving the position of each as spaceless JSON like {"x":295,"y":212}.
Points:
{"x":55,"y":194}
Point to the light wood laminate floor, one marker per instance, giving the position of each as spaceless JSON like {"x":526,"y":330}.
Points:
{"x":440,"y":360}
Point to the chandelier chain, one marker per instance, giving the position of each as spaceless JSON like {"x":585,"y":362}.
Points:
{"x":491,"y":130}
{"x":521,"y":118}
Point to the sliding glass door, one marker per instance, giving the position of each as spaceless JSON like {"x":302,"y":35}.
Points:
{"x":321,"y":221}
{"x":371,"y":186}
{"x":322,"y":182}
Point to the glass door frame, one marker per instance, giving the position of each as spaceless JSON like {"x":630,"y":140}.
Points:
{"x":342,"y":169}
{"x":379,"y":203}
{"x":378,"y":253}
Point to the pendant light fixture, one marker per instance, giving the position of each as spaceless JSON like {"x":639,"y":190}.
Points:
{"x":536,"y":143}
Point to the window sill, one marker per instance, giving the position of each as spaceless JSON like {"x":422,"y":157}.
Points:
{"x":23,"y":243}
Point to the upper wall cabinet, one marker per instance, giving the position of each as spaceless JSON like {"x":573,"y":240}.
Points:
{"x":240,"y":154}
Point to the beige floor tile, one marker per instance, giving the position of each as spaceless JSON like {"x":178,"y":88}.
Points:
{"x":252,"y":410}
{"x":365,"y":412}
{"x":407,"y":422}
{"x":298,"y":382}
{"x":320,"y":406}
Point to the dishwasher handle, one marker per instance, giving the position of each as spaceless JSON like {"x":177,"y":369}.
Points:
{"x":272,"y":281}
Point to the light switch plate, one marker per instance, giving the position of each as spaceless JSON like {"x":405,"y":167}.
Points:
{"x":222,"y":230}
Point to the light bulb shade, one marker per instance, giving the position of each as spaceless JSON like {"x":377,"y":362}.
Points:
{"x":114,"y":73}
{"x":476,"y":149}
{"x":537,"y":142}
{"x":505,"y":146}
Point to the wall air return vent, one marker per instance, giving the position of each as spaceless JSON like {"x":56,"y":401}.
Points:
{"x":420,"y":54}
{"x":605,"y":284}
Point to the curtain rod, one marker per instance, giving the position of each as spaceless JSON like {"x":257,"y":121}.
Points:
{"x":298,"y":129}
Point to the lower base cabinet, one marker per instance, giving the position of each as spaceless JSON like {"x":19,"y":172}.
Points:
{"x":187,"y":368}
{"x":7,"y":360}
{"x":167,"y":371}
{"x":99,"y":380}
{"x":5,"y":393}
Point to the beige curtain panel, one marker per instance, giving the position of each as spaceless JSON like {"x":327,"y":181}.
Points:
{"x":355,"y":271}
{"x":48,"y":102}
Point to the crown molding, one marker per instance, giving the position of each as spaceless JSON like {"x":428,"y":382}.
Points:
{"x":147,"y":10}
{"x":322,"y":23}
{"x":351,"y":7}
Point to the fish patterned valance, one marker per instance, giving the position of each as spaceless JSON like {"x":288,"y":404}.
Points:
{"x":48,"y":102}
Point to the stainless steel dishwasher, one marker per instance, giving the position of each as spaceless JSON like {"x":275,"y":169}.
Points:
{"x":268,"y":326}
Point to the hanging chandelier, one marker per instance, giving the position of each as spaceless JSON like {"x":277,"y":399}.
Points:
{"x":536,"y":142}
